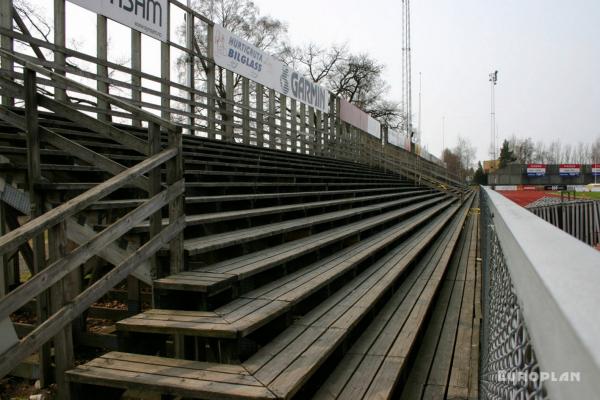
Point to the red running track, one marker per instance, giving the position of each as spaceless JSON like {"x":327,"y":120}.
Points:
{"x":524,"y":197}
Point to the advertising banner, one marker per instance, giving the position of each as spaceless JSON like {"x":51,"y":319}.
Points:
{"x":150,"y":17}
{"x":555,"y":188}
{"x":569,"y":169}
{"x":373,"y":127}
{"x":596,"y":169}
{"x":394,"y":138}
{"x":243,"y":58}
{"x":536,"y":169}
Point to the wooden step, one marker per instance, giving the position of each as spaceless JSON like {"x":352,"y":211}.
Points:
{"x":166,"y":375}
{"x":291,"y":359}
{"x":210,"y":218}
{"x":374,"y":365}
{"x":212,"y":242}
{"x":218,"y":277}
{"x":446,"y":362}
{"x":258,"y":307}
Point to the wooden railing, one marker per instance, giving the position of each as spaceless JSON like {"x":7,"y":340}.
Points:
{"x":52,"y":283}
{"x":241,"y":111}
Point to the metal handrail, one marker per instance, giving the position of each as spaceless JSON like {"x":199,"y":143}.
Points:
{"x":553,"y":282}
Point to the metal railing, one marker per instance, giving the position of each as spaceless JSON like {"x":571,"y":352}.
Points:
{"x":540,"y":333}
{"x":580,"y":218}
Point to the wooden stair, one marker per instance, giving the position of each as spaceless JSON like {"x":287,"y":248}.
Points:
{"x":305,"y":276}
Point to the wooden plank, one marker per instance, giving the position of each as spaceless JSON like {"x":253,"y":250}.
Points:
{"x":211,"y":90}
{"x":228,"y":116}
{"x":164,"y":384}
{"x":7,"y":43}
{"x":51,"y":326}
{"x":103,"y":128}
{"x":246,"y":111}
{"x":61,"y":292}
{"x":64,"y":265}
{"x":136,"y":67}
{"x":14,"y":239}
{"x":259,"y":115}
{"x":101,"y":70}
{"x":34,"y":175}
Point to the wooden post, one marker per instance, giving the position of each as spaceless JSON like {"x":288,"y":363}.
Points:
{"x":210,"y":84}
{"x":283,"y":122}
{"x":177,"y":205}
{"x":5,"y":279}
{"x":303,"y":140}
{"x":189,"y":44}
{"x":34,"y":174}
{"x":294,"y":125}
{"x":246,"y":110}
{"x":165,"y":74}
{"x":311,"y":131}
{"x":260,"y":115}
{"x":102,"y":70}
{"x":229,"y":107}
{"x":59,"y":41}
{"x":155,"y":188}
{"x":136,"y":67}
{"x":272,"y":130}
{"x":318,"y":133}
{"x":61,"y":293}
{"x":6,"y":43}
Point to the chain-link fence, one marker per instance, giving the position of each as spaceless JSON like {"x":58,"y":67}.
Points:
{"x":509,"y":368}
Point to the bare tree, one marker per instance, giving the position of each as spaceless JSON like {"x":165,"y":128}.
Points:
{"x":358,"y":78}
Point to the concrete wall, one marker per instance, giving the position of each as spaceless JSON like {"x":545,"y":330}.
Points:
{"x":516,"y":174}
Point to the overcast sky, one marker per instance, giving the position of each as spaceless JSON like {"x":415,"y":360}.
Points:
{"x":546,"y":51}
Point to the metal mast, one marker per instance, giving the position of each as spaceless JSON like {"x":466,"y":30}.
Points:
{"x":406,"y":68}
{"x":493,"y":83}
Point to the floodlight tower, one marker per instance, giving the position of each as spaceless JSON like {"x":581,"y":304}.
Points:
{"x":493,"y":83}
{"x":406,"y":69}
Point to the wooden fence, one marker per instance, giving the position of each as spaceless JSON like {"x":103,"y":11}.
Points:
{"x":212,"y":102}
{"x":54,"y":285}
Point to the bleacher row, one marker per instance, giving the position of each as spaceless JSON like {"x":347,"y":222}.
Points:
{"x":305,"y":277}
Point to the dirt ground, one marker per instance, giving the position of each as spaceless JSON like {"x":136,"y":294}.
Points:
{"x":21,"y":389}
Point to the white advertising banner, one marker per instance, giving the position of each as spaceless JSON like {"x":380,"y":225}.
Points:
{"x":241,"y":57}
{"x":373,"y":127}
{"x":394,"y":138}
{"x":150,"y":17}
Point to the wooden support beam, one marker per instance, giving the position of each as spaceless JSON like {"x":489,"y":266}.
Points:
{"x":272,"y":127}
{"x":260,"y":93}
{"x":34,"y":174}
{"x":246,"y":110}
{"x":211,"y":84}
{"x":136,"y":67}
{"x":189,"y":44}
{"x":294,"y":125}
{"x":177,"y":205}
{"x":154,"y":188}
{"x":54,"y":324}
{"x":61,"y":293}
{"x":60,"y":41}
{"x":283,"y":122}
{"x":229,"y":101}
{"x":6,"y":42}
{"x":14,"y":239}
{"x":165,"y":75}
{"x":101,"y":69}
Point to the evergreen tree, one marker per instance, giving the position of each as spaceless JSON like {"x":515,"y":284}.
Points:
{"x":480,"y":177}
{"x":506,"y":154}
